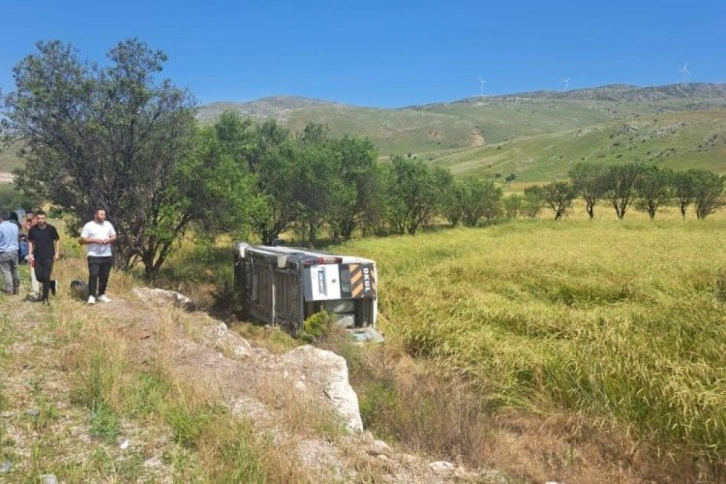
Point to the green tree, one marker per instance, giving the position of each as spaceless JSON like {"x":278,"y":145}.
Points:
{"x":386,"y":214}
{"x":415,"y":193}
{"x":272,"y":159}
{"x":317,"y":184}
{"x":513,"y":205}
{"x":683,"y":190}
{"x":452,"y":206}
{"x":110,"y":137}
{"x":653,"y":189}
{"x":708,"y":192}
{"x":533,"y":201}
{"x":559,"y":196}
{"x":226,"y":201}
{"x":620,"y":183}
{"x":588,"y":182}
{"x":357,"y":171}
{"x":481,"y":199}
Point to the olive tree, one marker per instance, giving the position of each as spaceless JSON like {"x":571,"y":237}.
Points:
{"x":653,"y":190}
{"x":533,"y":200}
{"x":708,"y":192}
{"x":620,"y":184}
{"x":683,"y":190}
{"x":513,"y":205}
{"x":559,"y":196}
{"x":452,"y":207}
{"x":414,"y":193}
{"x":113,"y":137}
{"x":352,"y":204}
{"x":588,"y":182}
{"x":272,"y":158}
{"x":481,"y":199}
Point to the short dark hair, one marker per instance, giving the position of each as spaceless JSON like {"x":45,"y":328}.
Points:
{"x":98,"y":209}
{"x":39,"y":212}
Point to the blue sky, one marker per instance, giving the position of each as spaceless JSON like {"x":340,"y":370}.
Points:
{"x":386,"y":53}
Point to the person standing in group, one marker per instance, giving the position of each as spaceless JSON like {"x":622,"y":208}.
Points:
{"x":9,"y":236}
{"x":14,"y":219}
{"x":98,"y":236}
{"x":28,"y":223}
{"x":43,"y":250}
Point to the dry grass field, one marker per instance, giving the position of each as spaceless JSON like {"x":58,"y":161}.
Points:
{"x":620,"y":324}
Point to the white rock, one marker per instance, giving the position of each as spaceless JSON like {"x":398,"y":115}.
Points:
{"x":442,"y":466}
{"x":164,"y":296}
{"x":331,"y":371}
{"x":228,"y":342}
{"x":241,"y":351}
{"x":379,"y":448}
{"x":153,"y":462}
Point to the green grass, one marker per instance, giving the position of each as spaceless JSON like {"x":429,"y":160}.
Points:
{"x":679,"y":141}
{"x":618,"y":322}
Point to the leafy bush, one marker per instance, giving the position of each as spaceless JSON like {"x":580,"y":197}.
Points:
{"x":316,"y":326}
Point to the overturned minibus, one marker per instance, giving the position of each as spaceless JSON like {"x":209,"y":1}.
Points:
{"x":285,"y":285}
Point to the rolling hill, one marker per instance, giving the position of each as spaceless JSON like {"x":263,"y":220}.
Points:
{"x":536,"y":135}
{"x":679,"y":140}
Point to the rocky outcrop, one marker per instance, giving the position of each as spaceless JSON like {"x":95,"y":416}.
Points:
{"x":164,"y":296}
{"x":281,"y":394}
{"x":330,"y":372}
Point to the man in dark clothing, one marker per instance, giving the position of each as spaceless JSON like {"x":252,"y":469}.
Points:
{"x":43,"y":250}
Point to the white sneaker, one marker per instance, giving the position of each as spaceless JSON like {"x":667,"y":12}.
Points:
{"x":104,"y":298}
{"x":91,"y":300}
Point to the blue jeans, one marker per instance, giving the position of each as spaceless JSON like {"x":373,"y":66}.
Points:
{"x":9,"y":271}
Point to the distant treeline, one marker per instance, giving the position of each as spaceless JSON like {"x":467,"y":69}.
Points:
{"x":647,"y":187}
{"x":117,"y":138}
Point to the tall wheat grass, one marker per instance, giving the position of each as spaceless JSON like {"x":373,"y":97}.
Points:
{"x":622,"y":322}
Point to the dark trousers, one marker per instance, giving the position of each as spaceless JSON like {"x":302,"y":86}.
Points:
{"x":43,"y":269}
{"x":99,"y":269}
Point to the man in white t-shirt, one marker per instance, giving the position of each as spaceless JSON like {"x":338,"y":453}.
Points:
{"x":98,"y":236}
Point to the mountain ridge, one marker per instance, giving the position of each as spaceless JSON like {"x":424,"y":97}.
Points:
{"x":433,"y":131}
{"x":507,"y":134}
{"x":609,"y":92}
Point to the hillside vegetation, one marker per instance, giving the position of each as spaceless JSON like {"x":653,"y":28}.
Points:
{"x":679,"y":141}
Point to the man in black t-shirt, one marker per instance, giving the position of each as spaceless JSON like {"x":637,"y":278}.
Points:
{"x":43,"y":250}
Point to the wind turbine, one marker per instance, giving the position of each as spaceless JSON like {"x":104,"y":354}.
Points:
{"x":481,"y":86}
{"x":685,"y":72}
{"x":567,"y":82}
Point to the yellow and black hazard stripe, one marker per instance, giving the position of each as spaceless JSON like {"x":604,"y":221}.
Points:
{"x":362,"y":280}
